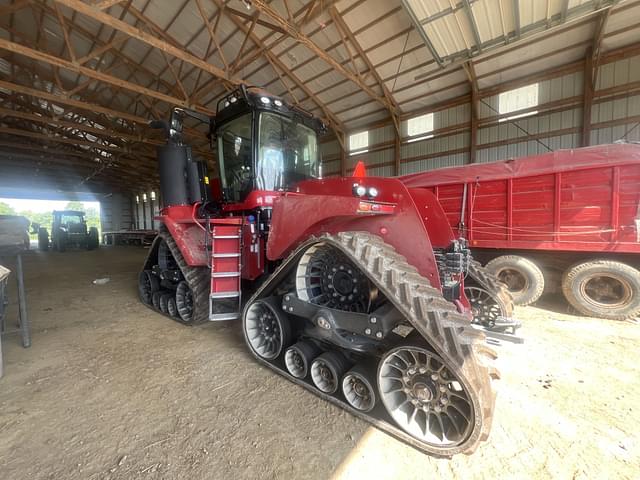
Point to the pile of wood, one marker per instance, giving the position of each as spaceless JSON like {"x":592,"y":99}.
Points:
{"x":14,"y":231}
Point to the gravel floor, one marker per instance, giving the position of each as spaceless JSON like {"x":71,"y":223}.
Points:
{"x":111,"y":390}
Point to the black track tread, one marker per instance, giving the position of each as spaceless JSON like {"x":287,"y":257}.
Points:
{"x":198,"y":279}
{"x":498,"y":290}
{"x":448,"y":332}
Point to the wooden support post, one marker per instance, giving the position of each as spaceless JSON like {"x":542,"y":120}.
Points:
{"x":396,"y":155}
{"x":473,"y":82}
{"x":343,"y":154}
{"x":587,"y":99}
{"x":473,"y":140}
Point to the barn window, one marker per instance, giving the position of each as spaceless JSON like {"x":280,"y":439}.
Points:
{"x":419,"y":128}
{"x":153,"y":195}
{"x":522,"y":98}
{"x":358,"y":143}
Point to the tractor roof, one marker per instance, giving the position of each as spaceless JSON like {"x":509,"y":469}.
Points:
{"x":68,"y":212}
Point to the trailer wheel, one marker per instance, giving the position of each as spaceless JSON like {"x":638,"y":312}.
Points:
{"x":603,"y":288}
{"x":523,"y":278}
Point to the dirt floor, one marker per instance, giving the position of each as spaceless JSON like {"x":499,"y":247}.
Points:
{"x":111,"y":390}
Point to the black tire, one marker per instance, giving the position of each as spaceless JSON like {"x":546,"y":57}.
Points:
{"x":148,"y":284}
{"x":93,"y":239}
{"x":155,"y":300}
{"x":43,"y":239}
{"x":603,"y":288}
{"x":61,"y":241}
{"x":522,"y":277}
{"x":172,"y":308}
{"x":164,"y":302}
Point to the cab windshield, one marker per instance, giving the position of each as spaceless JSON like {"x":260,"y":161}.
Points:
{"x":287,"y":153}
{"x":234,"y":151}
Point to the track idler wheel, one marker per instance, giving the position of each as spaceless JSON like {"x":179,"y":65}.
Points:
{"x":424,"y":397}
{"x":148,"y":283}
{"x":358,"y":388}
{"x":266,"y":329}
{"x":298,"y":358}
{"x":327,"y":370}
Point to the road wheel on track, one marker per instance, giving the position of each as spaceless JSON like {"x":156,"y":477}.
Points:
{"x":522,"y":277}
{"x":603,"y":288}
{"x":358,"y":388}
{"x":327,"y":370}
{"x":172,"y":308}
{"x":266,"y":329}
{"x":299,"y":356}
{"x":155,"y":299}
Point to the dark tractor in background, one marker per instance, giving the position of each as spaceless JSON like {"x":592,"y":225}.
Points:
{"x":68,"y":229}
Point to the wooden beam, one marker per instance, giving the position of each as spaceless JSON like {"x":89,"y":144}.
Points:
{"x":65,"y":33}
{"x":475,"y":114}
{"x":106,"y":4}
{"x":14,"y":7}
{"x":88,"y":72}
{"x":212,"y":33}
{"x":392,"y":106}
{"x":144,"y":37}
{"x":91,"y":107}
{"x":343,"y":153}
{"x":588,"y":98}
{"x":296,"y":34}
{"x":331,"y":119}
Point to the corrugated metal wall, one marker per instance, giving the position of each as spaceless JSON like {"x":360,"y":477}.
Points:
{"x":115,"y":213}
{"x":615,"y":113}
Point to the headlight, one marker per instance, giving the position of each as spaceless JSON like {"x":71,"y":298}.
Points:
{"x":233,"y":99}
{"x":265,"y":100}
{"x":278,"y":103}
{"x":372,"y":192}
{"x":359,"y":190}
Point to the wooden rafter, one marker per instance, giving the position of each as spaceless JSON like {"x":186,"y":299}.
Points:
{"x":331,"y":119}
{"x":87,"y":72}
{"x":147,"y":38}
{"x":392,"y":106}
{"x":296,"y":34}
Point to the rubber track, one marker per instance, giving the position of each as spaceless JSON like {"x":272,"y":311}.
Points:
{"x":495,"y":287}
{"x":198,"y":279}
{"x":448,"y":332}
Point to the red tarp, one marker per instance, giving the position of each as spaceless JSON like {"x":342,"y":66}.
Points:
{"x":552,"y":162}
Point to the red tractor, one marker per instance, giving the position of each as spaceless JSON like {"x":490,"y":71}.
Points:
{"x":328,"y":276}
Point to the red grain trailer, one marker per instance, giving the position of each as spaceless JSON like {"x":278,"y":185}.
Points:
{"x":568,"y":219}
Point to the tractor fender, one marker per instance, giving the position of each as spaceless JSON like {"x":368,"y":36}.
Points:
{"x":412,"y":222}
{"x":188,"y":235}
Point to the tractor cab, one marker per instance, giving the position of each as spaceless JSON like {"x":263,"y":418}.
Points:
{"x":71,"y":221}
{"x":263,"y":144}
